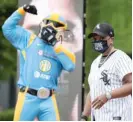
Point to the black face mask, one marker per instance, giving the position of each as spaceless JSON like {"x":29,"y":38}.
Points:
{"x":100,"y":45}
{"x":48,"y":34}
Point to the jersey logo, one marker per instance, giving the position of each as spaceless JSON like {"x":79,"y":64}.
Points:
{"x":38,"y":74}
{"x":105,"y":77}
{"x":40,"y":52}
{"x":45,"y":65}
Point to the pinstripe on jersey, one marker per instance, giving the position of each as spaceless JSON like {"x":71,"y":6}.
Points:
{"x":108,"y":77}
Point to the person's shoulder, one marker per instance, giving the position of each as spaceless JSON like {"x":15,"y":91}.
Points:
{"x":121,"y":54}
{"x":96,"y":60}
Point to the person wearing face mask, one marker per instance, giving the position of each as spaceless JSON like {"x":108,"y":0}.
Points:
{"x":44,"y":60}
{"x":110,"y":79}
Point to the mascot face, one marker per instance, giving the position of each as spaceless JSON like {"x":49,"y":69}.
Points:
{"x":58,"y":23}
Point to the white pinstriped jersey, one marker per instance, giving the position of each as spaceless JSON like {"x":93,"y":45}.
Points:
{"x":107,"y":78}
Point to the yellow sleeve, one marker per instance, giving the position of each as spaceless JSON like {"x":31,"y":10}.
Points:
{"x":21,"y":11}
{"x":71,"y":55}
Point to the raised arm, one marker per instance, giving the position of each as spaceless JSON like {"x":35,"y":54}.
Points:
{"x":66,"y":58}
{"x":17,"y":35}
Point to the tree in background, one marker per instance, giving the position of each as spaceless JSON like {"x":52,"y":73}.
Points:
{"x":8,"y":54}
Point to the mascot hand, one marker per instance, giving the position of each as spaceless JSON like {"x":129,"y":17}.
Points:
{"x":30,"y":9}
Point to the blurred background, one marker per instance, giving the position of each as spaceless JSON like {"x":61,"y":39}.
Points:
{"x":116,"y":12}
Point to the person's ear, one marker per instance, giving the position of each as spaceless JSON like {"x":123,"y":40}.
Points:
{"x":112,"y":40}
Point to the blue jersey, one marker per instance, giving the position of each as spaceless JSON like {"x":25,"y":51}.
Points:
{"x":21,"y":65}
{"x":43,"y":64}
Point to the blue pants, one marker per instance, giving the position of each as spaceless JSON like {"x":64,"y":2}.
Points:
{"x":29,"y":107}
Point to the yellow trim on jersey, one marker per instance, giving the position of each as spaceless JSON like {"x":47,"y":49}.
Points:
{"x":60,"y":49}
{"x":56,"y":108}
{"x":19,"y":105}
{"x":24,"y":54}
{"x":21,"y":11}
{"x":32,"y":37}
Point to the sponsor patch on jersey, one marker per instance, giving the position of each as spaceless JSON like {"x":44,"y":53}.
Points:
{"x":41,"y":75}
{"x":45,"y":65}
{"x":39,"y":44}
{"x":40,"y":52}
{"x":36,"y":74}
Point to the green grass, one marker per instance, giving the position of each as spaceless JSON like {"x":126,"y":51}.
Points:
{"x":7,"y":115}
